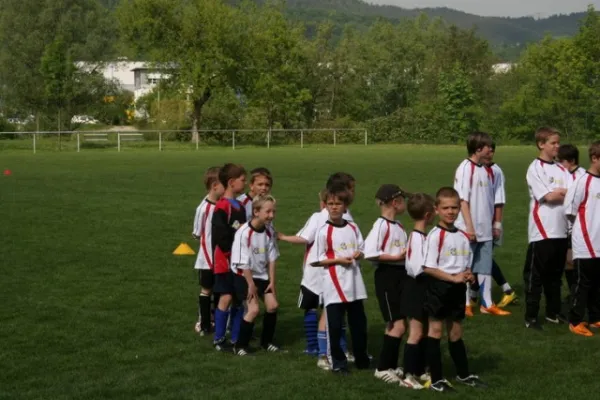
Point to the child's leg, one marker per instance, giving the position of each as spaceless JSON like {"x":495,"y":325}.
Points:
{"x":335,"y":319}
{"x":532,"y":277}
{"x":388,"y":359}
{"x":204,"y":309}
{"x":322,"y":335}
{"x":412,"y":353}
{"x":357,"y":321}
{"x":236,"y":316}
{"x":499,"y":278}
{"x":221,"y":316}
{"x":309,"y":302}
{"x":594,"y":296}
{"x":434,"y":352}
{"x":570,"y":274}
{"x":269,"y":320}
{"x":581,"y":293}
{"x":247,"y":324}
{"x":457,"y":348}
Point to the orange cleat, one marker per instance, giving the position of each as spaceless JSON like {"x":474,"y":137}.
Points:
{"x":595,"y":325}
{"x":494,"y":310}
{"x":469,"y":311}
{"x":580,"y":329}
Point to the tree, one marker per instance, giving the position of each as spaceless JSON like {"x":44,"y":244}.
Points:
{"x":200,"y":42}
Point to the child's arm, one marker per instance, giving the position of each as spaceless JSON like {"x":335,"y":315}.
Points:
{"x":462,"y":184}
{"x":541,"y":192}
{"x":197,"y":229}
{"x":291,"y":239}
{"x":444,"y":276}
{"x":318,"y":254}
{"x":465,"y":209}
{"x":271,"y":287}
{"x":250,"y":281}
{"x":374,"y":243}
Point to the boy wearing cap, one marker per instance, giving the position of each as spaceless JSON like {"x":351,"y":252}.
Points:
{"x":385,"y":247}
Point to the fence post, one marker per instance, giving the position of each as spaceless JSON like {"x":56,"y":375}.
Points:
{"x":269,"y":138}
{"x":334,"y":137}
{"x":78,"y":146}
{"x":59,"y":142}
{"x":301,"y":139}
{"x":365,"y":137}
{"x":34,"y":138}
{"x":197,"y":139}
{"x":119,"y":142}
{"x":233,"y":140}
{"x":159,"y":141}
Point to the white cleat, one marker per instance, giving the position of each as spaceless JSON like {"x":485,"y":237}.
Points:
{"x":323,"y":363}
{"x":388,"y":376}
{"x":411,"y":382}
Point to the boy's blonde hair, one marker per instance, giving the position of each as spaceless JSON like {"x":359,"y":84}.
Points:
{"x":261,"y":171}
{"x":543,"y":134}
{"x":259,"y":201}
{"x":323,"y":195}
{"x":594,"y":150}
{"x":211,"y":176}
{"x":447,"y":192}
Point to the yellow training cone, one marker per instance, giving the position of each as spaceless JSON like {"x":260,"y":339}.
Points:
{"x":184,"y":250}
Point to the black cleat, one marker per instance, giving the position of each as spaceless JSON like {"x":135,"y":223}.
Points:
{"x":442,"y":386}
{"x":533,"y":324}
{"x":473,"y":381}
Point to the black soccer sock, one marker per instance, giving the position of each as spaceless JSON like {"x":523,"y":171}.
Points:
{"x":571,"y":279}
{"x":434,"y":359}
{"x":205,"y":316}
{"x":388,"y":359}
{"x":497,"y":274}
{"x":269,"y":322}
{"x":412,"y":354}
{"x":422,"y":364}
{"x":245,"y":334}
{"x":458,"y":352}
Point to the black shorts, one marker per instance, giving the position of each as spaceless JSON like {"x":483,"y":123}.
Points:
{"x":224,"y":283}
{"x":241,"y":287}
{"x":206,"y":278}
{"x":569,"y":243}
{"x":390,"y":282}
{"x":445,"y":300}
{"x":308,"y":300}
{"x":413,"y":299}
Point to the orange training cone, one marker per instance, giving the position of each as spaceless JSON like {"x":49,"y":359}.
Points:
{"x":184,"y":250}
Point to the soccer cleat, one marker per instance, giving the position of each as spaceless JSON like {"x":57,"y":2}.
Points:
{"x":350,"y":357}
{"x":473,"y":302}
{"x":508,"y":299}
{"x":557,"y":319}
{"x":399,"y":372}
{"x":469,"y":311}
{"x":243,"y":352}
{"x":494,"y":310}
{"x":411,"y":382}
{"x":273,"y":348}
{"x":426,"y":377}
{"x":388,"y":376}
{"x":472,"y":380}
{"x":323,"y":363}
{"x":595,"y":325}
{"x":341,"y":371}
{"x":197,"y":328}
{"x":222,"y":345}
{"x":580,"y":329}
{"x":440,"y":386}
{"x":533,"y":323}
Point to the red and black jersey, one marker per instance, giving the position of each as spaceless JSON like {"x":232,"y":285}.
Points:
{"x":228,"y":216}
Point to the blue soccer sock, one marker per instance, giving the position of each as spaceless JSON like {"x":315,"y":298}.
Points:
{"x":343,"y":341}
{"x":322,"y":340}
{"x":220,"y":324}
{"x":237,"y":314}
{"x":310,"y":330}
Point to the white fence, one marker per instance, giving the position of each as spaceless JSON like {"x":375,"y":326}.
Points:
{"x":301,"y":137}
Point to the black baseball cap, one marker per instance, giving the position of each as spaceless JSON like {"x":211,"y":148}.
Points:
{"x":389,"y":192}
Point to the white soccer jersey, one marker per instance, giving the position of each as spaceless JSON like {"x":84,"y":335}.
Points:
{"x":386,"y":237}
{"x":340,"y":284}
{"x":576,"y":173}
{"x":202,"y":231}
{"x":415,"y":254}
{"x":448,"y":250}
{"x":497,"y":176}
{"x":253,"y":249}
{"x":474,"y":185}
{"x":246,"y":202}
{"x":546,"y":221}
{"x":583,"y":202}
{"x":311,"y":276}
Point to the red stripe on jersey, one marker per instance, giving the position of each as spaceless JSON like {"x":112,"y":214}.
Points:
{"x":537,"y":220}
{"x":203,"y":237}
{"x":409,"y":250}
{"x":247,"y":200}
{"x":441,"y":244}
{"x":250,"y":237}
{"x":490,"y":173}
{"x":221,"y":261}
{"x":386,"y":236}
{"x":573,"y":175}
{"x":582,"y":221}
{"x":466,"y":235}
{"x":563,"y":169}
{"x":332,"y":272}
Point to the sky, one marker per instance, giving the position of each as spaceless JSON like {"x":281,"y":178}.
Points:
{"x":501,"y":8}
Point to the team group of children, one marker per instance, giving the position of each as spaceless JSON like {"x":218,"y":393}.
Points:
{"x":421,"y":280}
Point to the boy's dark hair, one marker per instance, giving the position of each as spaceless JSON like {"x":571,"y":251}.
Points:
{"x":446,"y":192}
{"x":543,"y":134}
{"x":341,"y":177}
{"x":568,"y":152}
{"x":418,"y":205}
{"x":594,"y":150}
{"x":261,"y":171}
{"x":339,"y":190}
{"x":211,"y":176}
{"x":477,"y":141}
{"x":230,"y":171}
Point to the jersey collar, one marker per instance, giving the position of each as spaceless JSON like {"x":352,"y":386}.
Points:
{"x":545,"y":162}
{"x":453,"y":230}
{"x":344,"y":223}
{"x":264,"y":228}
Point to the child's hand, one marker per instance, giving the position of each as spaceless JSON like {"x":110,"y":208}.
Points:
{"x":402,"y":255}
{"x":280,"y":236}
{"x":459,"y":278}
{"x":346,"y":261}
{"x":357,"y":255}
{"x":270,"y":288}
{"x":251,"y":292}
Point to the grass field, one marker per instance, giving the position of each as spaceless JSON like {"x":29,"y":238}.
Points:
{"x":94,"y":306}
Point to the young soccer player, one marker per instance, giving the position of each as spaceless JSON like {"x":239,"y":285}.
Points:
{"x":338,"y":246}
{"x":420,"y":207}
{"x":261,"y":182}
{"x":477,"y":201}
{"x":385,"y":246}
{"x":315,"y":327}
{"x":547,"y":231}
{"x":202,"y":233}
{"x":228,"y":216}
{"x":582,"y":207}
{"x":347,"y":180}
{"x":448,"y":258}
{"x":568,"y":157}
{"x":253,"y":257}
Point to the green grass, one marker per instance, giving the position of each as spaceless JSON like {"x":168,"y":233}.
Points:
{"x":94,"y":306}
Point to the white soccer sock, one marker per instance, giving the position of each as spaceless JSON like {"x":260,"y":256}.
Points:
{"x":485,"y":286}
{"x":506,"y":287}
{"x":468,"y":293}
